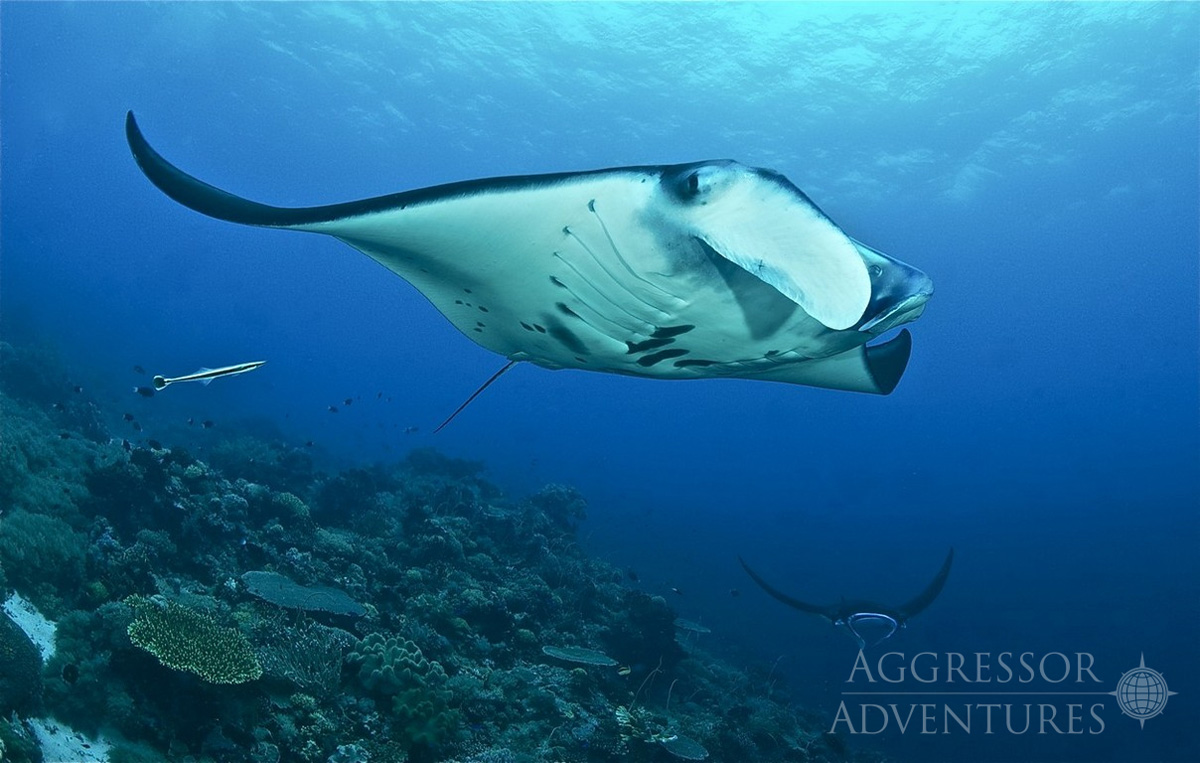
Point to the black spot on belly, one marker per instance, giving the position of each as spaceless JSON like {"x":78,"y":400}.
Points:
{"x":479,"y":329}
{"x":688,"y":362}
{"x":483,"y":309}
{"x":526,"y":326}
{"x":539,"y":328}
{"x":479,"y":324}
{"x":648,"y":344}
{"x":581,"y":360}
{"x":566,"y":310}
{"x":458,"y":301}
{"x":568,"y":339}
{"x":658,"y":357}
{"x":772,"y":353}
{"x":669,"y":331}
{"x":468,"y":291}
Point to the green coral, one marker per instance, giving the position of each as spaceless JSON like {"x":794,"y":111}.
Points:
{"x":187,"y":640}
{"x":292,"y":505}
{"x":133,"y":752}
{"x":17,"y":745}
{"x":39,"y":470}
{"x":257,"y":461}
{"x":396,"y":668}
{"x":43,"y":556}
{"x":81,"y":686}
{"x":20,"y":669}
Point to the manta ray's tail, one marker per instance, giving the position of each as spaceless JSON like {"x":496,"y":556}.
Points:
{"x":474,"y":395}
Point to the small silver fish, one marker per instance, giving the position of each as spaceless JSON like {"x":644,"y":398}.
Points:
{"x":206,"y":375}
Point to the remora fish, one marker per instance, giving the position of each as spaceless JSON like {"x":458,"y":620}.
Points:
{"x":206,"y":375}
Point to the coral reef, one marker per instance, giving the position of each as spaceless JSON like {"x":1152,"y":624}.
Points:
{"x":393,"y":612}
{"x":20,"y":670}
{"x":43,"y":555}
{"x":397,"y":670}
{"x":17,"y":744}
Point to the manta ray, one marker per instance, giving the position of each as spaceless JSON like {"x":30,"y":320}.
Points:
{"x":683,"y":271}
{"x":867,"y":622}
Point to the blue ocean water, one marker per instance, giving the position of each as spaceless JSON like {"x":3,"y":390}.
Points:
{"x":1039,"y":161}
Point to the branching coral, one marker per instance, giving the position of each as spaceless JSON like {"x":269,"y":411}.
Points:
{"x":307,"y":655}
{"x":187,"y":640}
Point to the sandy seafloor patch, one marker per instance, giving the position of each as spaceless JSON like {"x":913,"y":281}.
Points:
{"x":60,"y":743}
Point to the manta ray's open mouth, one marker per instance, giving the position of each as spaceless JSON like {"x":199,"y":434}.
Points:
{"x":904,"y":311}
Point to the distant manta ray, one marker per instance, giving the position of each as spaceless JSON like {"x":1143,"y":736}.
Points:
{"x":867,"y":622}
{"x":686,"y":271}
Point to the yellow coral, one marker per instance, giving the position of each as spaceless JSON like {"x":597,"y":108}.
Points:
{"x":187,"y":640}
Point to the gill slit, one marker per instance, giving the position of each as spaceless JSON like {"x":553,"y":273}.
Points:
{"x":621,"y":258}
{"x":600,"y":263}
{"x":635,"y":324}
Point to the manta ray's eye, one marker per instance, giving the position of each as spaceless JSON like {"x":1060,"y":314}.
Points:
{"x":695,"y":184}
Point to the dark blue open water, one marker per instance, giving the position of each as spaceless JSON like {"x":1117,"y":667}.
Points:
{"x":1038,"y":161}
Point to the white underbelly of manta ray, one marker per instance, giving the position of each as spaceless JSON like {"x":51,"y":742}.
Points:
{"x":711,"y":269}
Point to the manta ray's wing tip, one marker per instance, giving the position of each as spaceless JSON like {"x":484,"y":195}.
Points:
{"x":207,"y":199}
{"x":931,"y":592}
{"x":134,"y":137}
{"x":778,"y":595}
